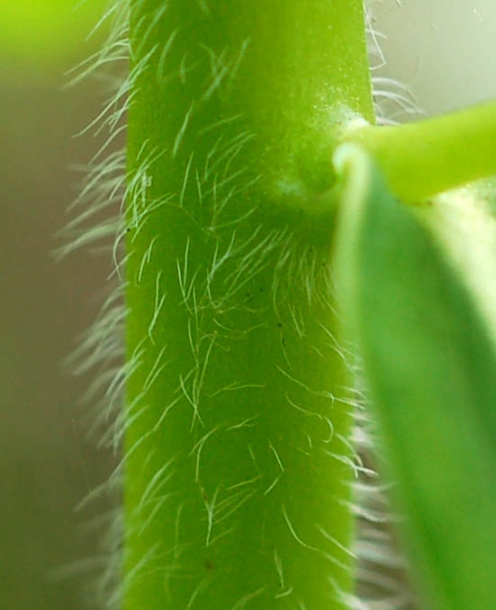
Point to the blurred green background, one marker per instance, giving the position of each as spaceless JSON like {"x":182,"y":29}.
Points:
{"x":48,"y":550}
{"x":444,"y":51}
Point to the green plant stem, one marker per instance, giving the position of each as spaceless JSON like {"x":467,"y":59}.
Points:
{"x":428,"y":157}
{"x":238,"y":463}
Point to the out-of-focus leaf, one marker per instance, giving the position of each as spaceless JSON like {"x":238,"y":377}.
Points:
{"x":430,"y":363}
{"x":463,"y":222}
{"x":46,"y":34}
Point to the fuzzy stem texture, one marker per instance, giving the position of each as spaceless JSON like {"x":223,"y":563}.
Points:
{"x":238,"y":463}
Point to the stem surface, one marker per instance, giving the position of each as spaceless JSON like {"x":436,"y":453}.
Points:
{"x":238,"y":463}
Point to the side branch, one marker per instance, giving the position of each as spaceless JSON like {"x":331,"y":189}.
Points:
{"x":428,"y":157}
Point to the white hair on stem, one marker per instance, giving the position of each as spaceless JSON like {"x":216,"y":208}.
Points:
{"x":102,"y":348}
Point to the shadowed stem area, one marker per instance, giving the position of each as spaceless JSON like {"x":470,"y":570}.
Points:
{"x":238,"y":462}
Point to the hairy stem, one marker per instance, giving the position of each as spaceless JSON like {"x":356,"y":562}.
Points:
{"x":238,"y":463}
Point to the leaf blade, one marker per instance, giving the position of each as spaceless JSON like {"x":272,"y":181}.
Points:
{"x":430,"y":365}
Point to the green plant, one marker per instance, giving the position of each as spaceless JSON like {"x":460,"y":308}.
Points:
{"x":241,"y":395}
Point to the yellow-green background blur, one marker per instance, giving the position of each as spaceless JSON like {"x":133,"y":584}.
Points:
{"x":48,"y":551}
{"x":444,"y":50}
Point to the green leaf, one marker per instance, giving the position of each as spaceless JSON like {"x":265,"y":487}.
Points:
{"x":463,"y":222}
{"x":430,"y":364}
